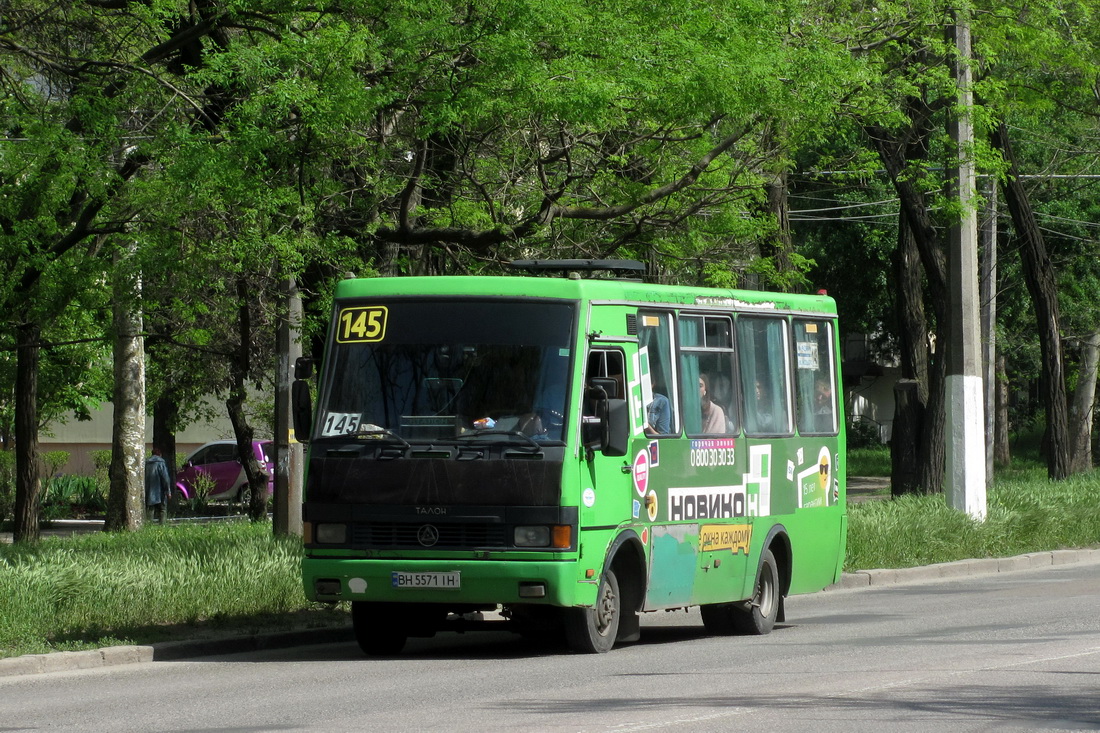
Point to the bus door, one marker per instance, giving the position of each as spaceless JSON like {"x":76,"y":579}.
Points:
{"x":698,"y":473}
{"x":604,"y":479}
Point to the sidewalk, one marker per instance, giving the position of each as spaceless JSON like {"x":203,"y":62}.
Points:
{"x":866,"y":488}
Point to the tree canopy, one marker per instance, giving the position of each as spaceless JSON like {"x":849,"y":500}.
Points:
{"x":228,"y":145}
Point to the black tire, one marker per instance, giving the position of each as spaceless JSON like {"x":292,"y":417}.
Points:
{"x":593,"y":630}
{"x":379,"y":631}
{"x":754,"y":617}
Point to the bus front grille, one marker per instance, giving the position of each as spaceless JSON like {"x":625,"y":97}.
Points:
{"x":391,"y":535}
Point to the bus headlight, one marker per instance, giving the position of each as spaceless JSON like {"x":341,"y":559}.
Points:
{"x":331,"y":534}
{"x":558,"y":536}
{"x":532,"y":536}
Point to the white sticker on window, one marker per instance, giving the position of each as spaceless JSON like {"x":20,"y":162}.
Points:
{"x":340,"y":423}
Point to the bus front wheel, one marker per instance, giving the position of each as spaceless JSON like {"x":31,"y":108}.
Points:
{"x":593,"y":630}
{"x":379,"y":630}
{"x":756,"y":616}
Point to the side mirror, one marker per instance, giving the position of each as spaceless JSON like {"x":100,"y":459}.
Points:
{"x":616,"y":430}
{"x":303,"y":367}
{"x":301,"y":407}
{"x":609,"y":430}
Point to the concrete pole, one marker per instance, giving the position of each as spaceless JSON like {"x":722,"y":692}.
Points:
{"x":289,"y":459}
{"x":965,"y":469}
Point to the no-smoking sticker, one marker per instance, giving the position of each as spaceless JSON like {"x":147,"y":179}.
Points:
{"x":641,"y":472}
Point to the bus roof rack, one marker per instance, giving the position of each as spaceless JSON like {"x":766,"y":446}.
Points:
{"x":621,"y":268}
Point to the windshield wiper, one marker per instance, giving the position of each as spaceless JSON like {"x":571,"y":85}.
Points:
{"x":532,"y":444}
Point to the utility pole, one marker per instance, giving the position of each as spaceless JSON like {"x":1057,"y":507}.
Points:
{"x":287,"y":509}
{"x":965,"y":474}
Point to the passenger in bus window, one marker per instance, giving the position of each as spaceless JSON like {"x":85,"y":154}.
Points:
{"x":823,"y":406}
{"x":764,"y":419}
{"x":658,"y":413}
{"x":714,"y":418}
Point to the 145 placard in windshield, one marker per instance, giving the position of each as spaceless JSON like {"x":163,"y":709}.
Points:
{"x":364,"y":324}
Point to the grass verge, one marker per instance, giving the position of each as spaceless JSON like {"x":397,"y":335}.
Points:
{"x":158,"y":584}
{"x":1026,"y":512}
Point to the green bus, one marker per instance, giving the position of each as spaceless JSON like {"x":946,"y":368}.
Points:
{"x":559,"y":453}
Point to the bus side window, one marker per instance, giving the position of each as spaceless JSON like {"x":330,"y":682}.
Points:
{"x":764,"y":360}
{"x":814,"y":377}
{"x":706,"y":366}
{"x":657,"y":375}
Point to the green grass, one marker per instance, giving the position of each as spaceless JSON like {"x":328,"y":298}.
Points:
{"x":158,"y":584}
{"x":869,"y":461}
{"x":1026,"y":512}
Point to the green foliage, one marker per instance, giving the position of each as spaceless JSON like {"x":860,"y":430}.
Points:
{"x":68,"y":497}
{"x":201,"y":487}
{"x":863,"y":433}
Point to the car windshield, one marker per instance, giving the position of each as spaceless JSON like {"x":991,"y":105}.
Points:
{"x":446,"y":370}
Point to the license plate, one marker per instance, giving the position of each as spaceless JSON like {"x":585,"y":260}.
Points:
{"x":440,"y":581}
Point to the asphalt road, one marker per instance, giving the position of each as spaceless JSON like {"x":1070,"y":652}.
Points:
{"x":1006,"y":651}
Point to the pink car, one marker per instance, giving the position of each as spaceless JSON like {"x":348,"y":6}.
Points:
{"x":219,"y":462}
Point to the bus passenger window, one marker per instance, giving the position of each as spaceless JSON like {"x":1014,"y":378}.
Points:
{"x":656,"y":374}
{"x":814,"y":378}
{"x":706,"y":366}
{"x":764,"y":358}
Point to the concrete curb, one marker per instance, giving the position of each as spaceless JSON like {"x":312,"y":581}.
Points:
{"x":29,"y":664}
{"x":963,"y":568}
{"x":168,"y":651}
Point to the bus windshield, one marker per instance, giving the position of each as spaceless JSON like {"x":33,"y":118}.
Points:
{"x":451,"y":370}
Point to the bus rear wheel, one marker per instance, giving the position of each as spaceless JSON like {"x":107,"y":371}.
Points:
{"x":593,"y":630}
{"x":379,"y":629}
{"x":756,"y":616}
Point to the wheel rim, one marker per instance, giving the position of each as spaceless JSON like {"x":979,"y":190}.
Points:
{"x":605,"y":610}
{"x":766,"y":591}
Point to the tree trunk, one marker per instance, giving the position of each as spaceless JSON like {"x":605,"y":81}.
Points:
{"x":912,"y":324}
{"x":27,"y":473}
{"x":1002,"y":451}
{"x":911,"y":391}
{"x":242,"y":429}
{"x":165,"y":417}
{"x":1042,"y":285}
{"x":1081,"y":409}
{"x":933,"y":444}
{"x":904,"y":440}
{"x":287,"y":503}
{"x":915,"y":213}
{"x":126,"y":497}
{"x":781,"y":247}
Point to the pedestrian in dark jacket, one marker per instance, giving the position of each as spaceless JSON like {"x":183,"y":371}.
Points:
{"x":158,"y":486}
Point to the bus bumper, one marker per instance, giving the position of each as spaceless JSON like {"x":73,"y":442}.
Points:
{"x":439,"y":581}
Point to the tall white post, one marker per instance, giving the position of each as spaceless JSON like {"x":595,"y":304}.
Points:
{"x":965,"y":475}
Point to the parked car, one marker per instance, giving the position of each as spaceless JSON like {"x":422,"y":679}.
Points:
{"x":219,"y":462}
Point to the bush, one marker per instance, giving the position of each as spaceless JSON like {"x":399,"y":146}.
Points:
{"x":863,"y":433}
{"x":73,"y":496}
